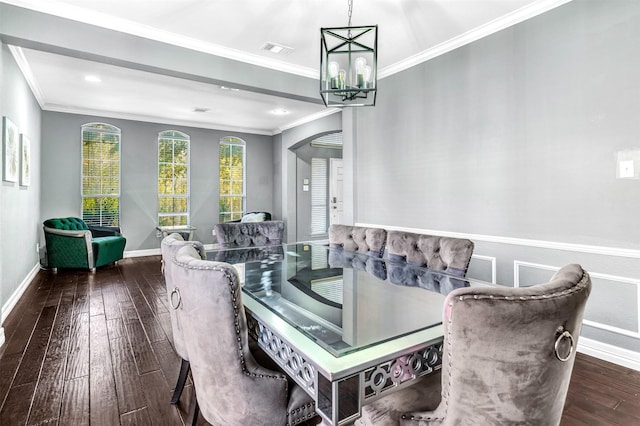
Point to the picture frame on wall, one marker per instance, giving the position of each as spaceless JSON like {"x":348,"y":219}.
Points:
{"x":10,"y":150}
{"x":25,"y":161}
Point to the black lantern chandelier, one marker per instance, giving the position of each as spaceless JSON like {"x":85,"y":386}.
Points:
{"x":348,"y":65}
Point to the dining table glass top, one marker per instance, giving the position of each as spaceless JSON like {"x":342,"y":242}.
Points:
{"x":343,"y":301}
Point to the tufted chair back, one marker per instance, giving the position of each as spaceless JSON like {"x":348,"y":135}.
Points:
{"x":231,"y":387}
{"x":251,"y":254}
{"x":451,"y":255}
{"x":66,"y":224}
{"x":508,"y":354}
{"x":404,"y":274}
{"x":246,"y":234}
{"x":71,"y":243}
{"x":346,"y":259}
{"x":358,"y":239}
{"x":169,"y":247}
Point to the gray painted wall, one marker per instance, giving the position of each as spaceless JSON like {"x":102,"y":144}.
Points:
{"x":19,"y":205}
{"x":139,"y":147}
{"x":516,"y":136}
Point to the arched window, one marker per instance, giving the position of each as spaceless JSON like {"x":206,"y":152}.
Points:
{"x":232,"y":178}
{"x":100,"y":174}
{"x":173,"y":178}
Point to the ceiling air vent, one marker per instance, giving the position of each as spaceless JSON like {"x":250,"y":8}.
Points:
{"x":277,"y":49}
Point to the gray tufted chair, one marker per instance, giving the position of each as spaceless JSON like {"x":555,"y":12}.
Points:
{"x":404,"y":274}
{"x":451,"y":255}
{"x":358,"y":239}
{"x":247,"y":234}
{"x":231,"y":387}
{"x":346,"y":259}
{"x":508,"y":354}
{"x":169,"y":247}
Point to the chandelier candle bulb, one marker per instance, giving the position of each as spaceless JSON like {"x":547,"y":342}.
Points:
{"x":361,"y":63}
{"x":367,"y":76}
{"x":341,"y":79}
{"x":334,"y":68}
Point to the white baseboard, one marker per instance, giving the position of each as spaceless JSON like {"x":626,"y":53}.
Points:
{"x":142,"y":253}
{"x":13,"y":300}
{"x":609,"y":353}
{"x":1,"y":336}
{"x":158,"y":252}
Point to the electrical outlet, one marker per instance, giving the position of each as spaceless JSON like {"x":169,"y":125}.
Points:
{"x":626,"y":169}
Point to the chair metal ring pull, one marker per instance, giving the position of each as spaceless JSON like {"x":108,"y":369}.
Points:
{"x":565,"y":335}
{"x":176,"y":291}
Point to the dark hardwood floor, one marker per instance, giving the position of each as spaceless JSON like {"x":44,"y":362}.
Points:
{"x":85,"y":348}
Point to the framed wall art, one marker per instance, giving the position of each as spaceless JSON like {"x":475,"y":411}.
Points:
{"x":10,"y":146}
{"x":25,"y":160}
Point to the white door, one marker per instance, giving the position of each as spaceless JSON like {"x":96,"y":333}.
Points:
{"x":336,"y":197}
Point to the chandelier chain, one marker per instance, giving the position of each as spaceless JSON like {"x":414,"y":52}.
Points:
{"x":350,"y":10}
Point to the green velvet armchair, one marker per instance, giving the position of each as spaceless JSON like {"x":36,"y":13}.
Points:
{"x":71,"y":243}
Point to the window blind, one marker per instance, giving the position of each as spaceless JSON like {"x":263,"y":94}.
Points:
{"x":173,"y":178}
{"x":100,"y":185}
{"x":329,"y":288}
{"x":232,"y":178}
{"x":319,"y":196}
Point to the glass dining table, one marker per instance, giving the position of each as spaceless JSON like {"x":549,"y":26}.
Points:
{"x":347,"y":327}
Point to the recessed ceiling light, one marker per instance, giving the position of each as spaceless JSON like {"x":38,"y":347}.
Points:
{"x":92,"y":79}
{"x":279,"y":111}
{"x":276,"y":48}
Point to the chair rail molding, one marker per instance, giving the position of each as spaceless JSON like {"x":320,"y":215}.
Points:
{"x":581,"y":248}
{"x":492,"y":262}
{"x":594,"y":275}
{"x":597,"y":348}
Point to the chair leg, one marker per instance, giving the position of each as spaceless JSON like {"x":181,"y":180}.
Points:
{"x":182,"y":379}
{"x":194,"y":410}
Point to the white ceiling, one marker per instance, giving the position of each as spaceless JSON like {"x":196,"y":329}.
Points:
{"x":410,"y":31}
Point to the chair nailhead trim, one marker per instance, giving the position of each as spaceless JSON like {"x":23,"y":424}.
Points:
{"x":233,"y":287}
{"x":445,"y":398}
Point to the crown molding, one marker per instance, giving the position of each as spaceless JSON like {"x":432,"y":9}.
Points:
{"x":506,"y":21}
{"x":79,"y":14}
{"x":187,"y":123}
{"x":21,"y":60}
{"x":308,"y":119}
{"x":153,"y":119}
{"x":102,"y":20}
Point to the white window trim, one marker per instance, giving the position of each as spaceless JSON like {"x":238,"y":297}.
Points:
{"x":186,"y":138}
{"x":224,"y":141}
{"x":117,"y":131}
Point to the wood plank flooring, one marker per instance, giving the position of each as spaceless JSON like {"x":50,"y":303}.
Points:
{"x":96,"y":349}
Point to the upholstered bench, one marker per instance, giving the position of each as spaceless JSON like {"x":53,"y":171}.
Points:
{"x":451,"y":255}
{"x":407,"y":275}
{"x":71,"y":243}
{"x":358,"y":239}
{"x":246,"y":234}
{"x":339,"y":258}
